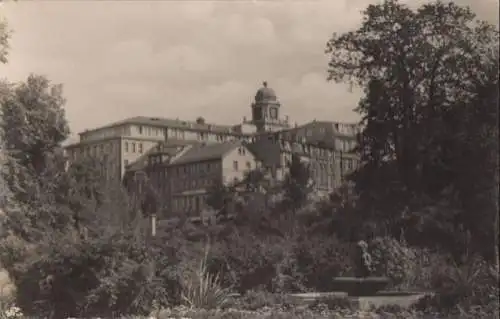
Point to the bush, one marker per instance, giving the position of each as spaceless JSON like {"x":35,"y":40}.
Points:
{"x":321,"y":258}
{"x":254,"y":300}
{"x":109,"y":276}
{"x":333,"y":303}
{"x":469,"y":287}
{"x":393,"y":259}
{"x":390,"y":309}
{"x":247,"y":262}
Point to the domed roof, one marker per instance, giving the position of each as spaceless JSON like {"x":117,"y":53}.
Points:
{"x":265,"y":94}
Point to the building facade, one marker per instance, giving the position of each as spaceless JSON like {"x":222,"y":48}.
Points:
{"x":182,"y":159}
{"x":183,"y":175}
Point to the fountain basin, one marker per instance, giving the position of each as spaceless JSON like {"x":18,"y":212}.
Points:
{"x":357,"y":286}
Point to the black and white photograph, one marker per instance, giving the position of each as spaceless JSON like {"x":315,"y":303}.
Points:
{"x":249,"y":159}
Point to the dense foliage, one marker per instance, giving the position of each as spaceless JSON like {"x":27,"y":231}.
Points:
{"x":70,"y":239}
{"x":430,"y":138}
{"x":425,"y":198}
{"x":4,"y":40}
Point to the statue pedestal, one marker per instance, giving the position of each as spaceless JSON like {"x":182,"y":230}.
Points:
{"x":360,"y":286}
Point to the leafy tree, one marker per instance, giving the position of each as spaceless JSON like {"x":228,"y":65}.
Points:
{"x":221,"y":197}
{"x":92,"y":198}
{"x":4,"y":40}
{"x":143,"y":193}
{"x":297,"y":184}
{"x":426,"y":75}
{"x":33,"y":127}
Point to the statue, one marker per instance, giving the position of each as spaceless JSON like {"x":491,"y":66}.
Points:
{"x":364,"y":265}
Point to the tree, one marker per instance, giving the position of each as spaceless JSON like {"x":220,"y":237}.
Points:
{"x":297,"y":184}
{"x":92,"y":198}
{"x":4,"y":40}
{"x":220,"y":198}
{"x":421,"y":72}
{"x":33,"y":128}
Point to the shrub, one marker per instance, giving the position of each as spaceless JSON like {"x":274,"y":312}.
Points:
{"x":407,"y":267}
{"x":335,"y":303}
{"x":469,"y":287}
{"x":247,"y":262}
{"x":393,"y":259}
{"x":321,"y":258}
{"x":254,"y":300}
{"x":390,"y":309}
{"x":107,"y":276}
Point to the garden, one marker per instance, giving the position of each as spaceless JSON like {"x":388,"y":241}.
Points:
{"x":419,"y":217}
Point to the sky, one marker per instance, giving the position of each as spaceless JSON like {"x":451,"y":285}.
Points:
{"x":185,"y":59}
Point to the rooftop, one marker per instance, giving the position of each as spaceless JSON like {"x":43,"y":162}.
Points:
{"x":205,"y":152}
{"x":170,"y":123}
{"x":170,"y":148}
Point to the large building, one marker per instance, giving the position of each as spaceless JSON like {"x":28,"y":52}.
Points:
{"x":182,"y":173}
{"x":182,"y":159}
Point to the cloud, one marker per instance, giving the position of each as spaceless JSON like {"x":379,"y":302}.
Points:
{"x":186,"y":59}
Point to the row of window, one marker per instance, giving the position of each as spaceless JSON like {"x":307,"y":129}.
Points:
{"x":346,"y":145}
{"x":248,"y":165}
{"x":104,"y":133}
{"x":150,"y":131}
{"x":192,"y":184}
{"x":189,"y":203}
{"x":349,"y":129}
{"x":180,"y":134}
{"x":133,"y":147}
{"x":198,"y":168}
{"x":323,"y":181}
{"x":92,"y":150}
{"x":348,"y":164}
{"x":241,"y":151}
{"x":204,"y":136}
{"x":303,"y":148}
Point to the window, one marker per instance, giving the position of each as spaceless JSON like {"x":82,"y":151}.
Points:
{"x":126,"y":147}
{"x":249,"y":165}
{"x":140,"y":129}
{"x":133,"y":147}
{"x":349,"y":164}
{"x":235,"y":165}
{"x":140,"y":148}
